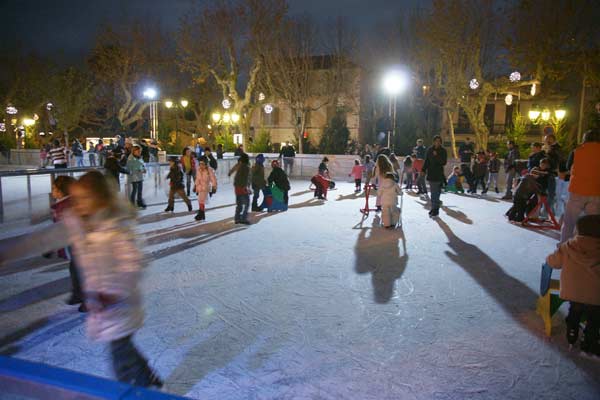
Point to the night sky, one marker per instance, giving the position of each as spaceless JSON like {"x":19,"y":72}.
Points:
{"x":66,"y":28}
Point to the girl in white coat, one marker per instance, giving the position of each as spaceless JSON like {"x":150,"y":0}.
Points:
{"x":97,"y":221}
{"x":389,"y":191}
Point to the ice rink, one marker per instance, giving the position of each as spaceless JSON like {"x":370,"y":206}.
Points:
{"x":319,"y":303}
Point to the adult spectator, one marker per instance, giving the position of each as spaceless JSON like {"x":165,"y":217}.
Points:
{"x":153,"y":151}
{"x":212,"y":162}
{"x":198,"y":149}
{"x":537,"y":154}
{"x":77,"y":152}
{"x":58,"y":155}
{"x":435,"y":160}
{"x":238,"y":151}
{"x":465,"y":152}
{"x":288,"y":153}
{"x":510,"y":167}
{"x":584,"y":186}
{"x":100,"y":152}
{"x":219,"y":151}
{"x":92,"y":154}
{"x":554,"y":155}
{"x":420,"y":152}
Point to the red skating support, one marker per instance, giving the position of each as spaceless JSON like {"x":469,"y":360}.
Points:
{"x":366,"y":210}
{"x":542,"y":224}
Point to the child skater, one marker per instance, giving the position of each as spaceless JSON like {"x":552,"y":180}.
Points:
{"x":389,"y":191}
{"x":241,"y":183}
{"x":176,"y":185}
{"x":60,"y":192}
{"x":206,"y":183}
{"x":579,"y":259}
{"x":455,"y":179}
{"x":369,"y":168}
{"x":258,"y":181}
{"x":382,"y":167}
{"x":357,"y":173}
{"x":96,"y":222}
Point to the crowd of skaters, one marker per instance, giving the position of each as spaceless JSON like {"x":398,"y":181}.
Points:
{"x":107,"y":287}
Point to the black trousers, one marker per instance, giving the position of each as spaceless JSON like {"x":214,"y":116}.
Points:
{"x":76,"y":291}
{"x":129,"y":365}
{"x":592,"y":313}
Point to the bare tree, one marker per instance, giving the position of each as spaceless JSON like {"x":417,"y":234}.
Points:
{"x":123,"y":59}
{"x":220,"y":41}
{"x":305,"y":82}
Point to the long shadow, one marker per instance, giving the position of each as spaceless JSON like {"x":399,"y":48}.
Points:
{"x":458,"y":215}
{"x":59,"y":323}
{"x":308,"y":203}
{"x":148,"y":219}
{"x":516,"y":298}
{"x":35,"y":295}
{"x":352,"y":196}
{"x":301,"y":193}
{"x":377,"y":251}
{"x":31,"y":264}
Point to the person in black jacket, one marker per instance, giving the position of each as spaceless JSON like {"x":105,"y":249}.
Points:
{"x":510,"y":167}
{"x":466,"y":151}
{"x":176,"y":185}
{"x":433,"y":168}
{"x":212,"y":161}
{"x":114,"y":168}
{"x":279,"y":177}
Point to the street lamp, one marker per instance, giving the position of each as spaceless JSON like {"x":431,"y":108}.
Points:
{"x":394,"y":83}
{"x":182,"y":104}
{"x":547,"y":116}
{"x":151,"y":93}
{"x":227,"y":118}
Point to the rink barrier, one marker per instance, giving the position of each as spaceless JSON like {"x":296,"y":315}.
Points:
{"x":36,"y":381}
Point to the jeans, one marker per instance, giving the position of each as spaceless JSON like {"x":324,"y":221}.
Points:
{"x":92,"y":158}
{"x":241,"y":207}
{"x":576,"y":205}
{"x":465,"y":170}
{"x":436,"y":191}
{"x":510,"y":176}
{"x":551,"y":191}
{"x":101,"y":159}
{"x":189,"y":182}
{"x":79,"y":161}
{"x":493,"y":178}
{"x":136,"y":191}
{"x":288,"y":165}
{"x":129,"y":365}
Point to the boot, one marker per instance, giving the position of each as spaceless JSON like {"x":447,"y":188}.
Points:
{"x":202,"y":215}
{"x":141,"y":205}
{"x":199,"y":216}
{"x":169,"y":208}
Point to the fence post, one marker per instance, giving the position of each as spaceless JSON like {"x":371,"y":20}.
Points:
{"x":29,"y":207}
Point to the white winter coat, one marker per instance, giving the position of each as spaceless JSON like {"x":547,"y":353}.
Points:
{"x":106,"y":252}
{"x":389,"y":191}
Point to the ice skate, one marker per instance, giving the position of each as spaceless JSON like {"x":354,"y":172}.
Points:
{"x":169,"y":209}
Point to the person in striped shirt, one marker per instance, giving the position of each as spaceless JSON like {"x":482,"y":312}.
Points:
{"x":58,"y":155}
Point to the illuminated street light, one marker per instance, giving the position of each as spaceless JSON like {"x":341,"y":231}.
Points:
{"x":216,"y":117}
{"x":394,"y":82}
{"x":546,"y":115}
{"x":28,"y":121}
{"x":151,"y":93}
{"x":168,"y":104}
{"x":184,"y":103}
{"x":560,"y":114}
{"x":534,"y":114}
{"x":226,"y":117}
{"x":235,"y":117}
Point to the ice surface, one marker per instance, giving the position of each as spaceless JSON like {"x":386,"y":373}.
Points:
{"x":318,"y":303}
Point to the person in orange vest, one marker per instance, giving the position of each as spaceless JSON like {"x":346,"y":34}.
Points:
{"x":584,"y":186}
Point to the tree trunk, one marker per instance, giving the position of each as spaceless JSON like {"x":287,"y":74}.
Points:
{"x":452,"y":136}
{"x":581,"y":107}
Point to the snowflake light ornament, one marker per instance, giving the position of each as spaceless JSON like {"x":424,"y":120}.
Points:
{"x":515,"y":76}
{"x":268,"y":108}
{"x":533,"y":90}
{"x":473,"y":83}
{"x":226,"y":104}
{"x":508,"y":99}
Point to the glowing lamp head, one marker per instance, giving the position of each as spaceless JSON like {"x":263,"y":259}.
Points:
{"x":226,"y":117}
{"x":560,"y":114}
{"x":184,"y":103}
{"x":235,"y":117}
{"x":150,"y":93}
{"x":395,"y":82}
{"x":168,"y":104}
{"x":546,"y":114}
{"x":534,"y":114}
{"x":216,"y":117}
{"x":28,"y":121}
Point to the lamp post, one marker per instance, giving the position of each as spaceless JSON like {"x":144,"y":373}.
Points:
{"x":181,"y":105}
{"x":394,"y":83}
{"x":150,"y":94}
{"x":226,"y":118}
